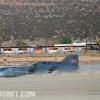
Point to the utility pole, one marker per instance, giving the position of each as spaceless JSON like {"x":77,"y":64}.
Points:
{"x":46,"y":35}
{"x":86,"y":35}
{"x":0,"y":37}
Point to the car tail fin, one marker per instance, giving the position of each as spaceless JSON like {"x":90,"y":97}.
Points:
{"x":70,"y":60}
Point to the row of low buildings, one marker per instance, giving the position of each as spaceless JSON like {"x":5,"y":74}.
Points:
{"x":49,"y":49}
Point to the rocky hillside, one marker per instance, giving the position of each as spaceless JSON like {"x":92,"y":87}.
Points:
{"x":26,"y":20}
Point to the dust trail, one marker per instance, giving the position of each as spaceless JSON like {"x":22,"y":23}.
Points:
{"x":88,"y":68}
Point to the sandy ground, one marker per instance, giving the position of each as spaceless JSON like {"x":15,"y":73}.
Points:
{"x":64,"y":86}
{"x":53,"y":87}
{"x":81,"y":58}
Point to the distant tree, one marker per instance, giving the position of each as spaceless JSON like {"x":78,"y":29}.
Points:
{"x":19,"y":43}
{"x":65,"y":40}
{"x":98,"y":42}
